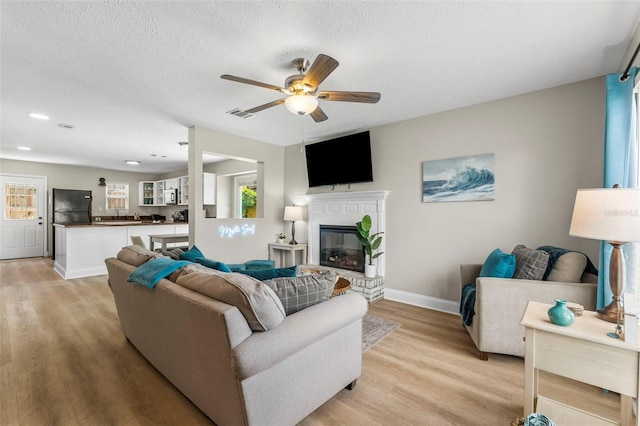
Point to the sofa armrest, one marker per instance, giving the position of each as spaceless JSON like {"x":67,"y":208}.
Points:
{"x":493,"y":292}
{"x":265,"y":349}
{"x":469,"y":272}
{"x":500,"y":304}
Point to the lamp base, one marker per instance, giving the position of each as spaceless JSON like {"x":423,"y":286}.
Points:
{"x":609,"y":313}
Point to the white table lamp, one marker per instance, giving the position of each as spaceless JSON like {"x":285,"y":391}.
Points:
{"x":611,"y":215}
{"x":293,"y":213}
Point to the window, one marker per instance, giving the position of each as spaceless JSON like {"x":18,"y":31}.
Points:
{"x":117,"y":196}
{"x":21,"y":201}
{"x":246,"y":195}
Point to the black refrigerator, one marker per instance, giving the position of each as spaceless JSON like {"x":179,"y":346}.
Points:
{"x":70,"y":207}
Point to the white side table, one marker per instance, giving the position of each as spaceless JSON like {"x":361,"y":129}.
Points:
{"x":581,"y":352}
{"x":288,"y":248}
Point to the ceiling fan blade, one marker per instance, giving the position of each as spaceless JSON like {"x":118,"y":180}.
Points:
{"x":265,"y":106}
{"x":366,"y":97}
{"x":318,"y":115}
{"x":253,"y":82}
{"x":319,"y":70}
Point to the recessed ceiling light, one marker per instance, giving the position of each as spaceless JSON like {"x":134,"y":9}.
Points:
{"x":184,"y":145}
{"x":24,"y":148}
{"x":38,"y":116}
{"x":132,"y":162}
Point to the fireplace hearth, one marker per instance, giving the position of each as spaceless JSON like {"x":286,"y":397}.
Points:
{"x":340,"y":248}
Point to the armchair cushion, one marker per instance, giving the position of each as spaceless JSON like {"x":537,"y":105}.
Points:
{"x":530,"y":264}
{"x":498,"y":265}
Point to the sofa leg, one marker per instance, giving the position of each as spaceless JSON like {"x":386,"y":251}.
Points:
{"x":484,"y":356}
{"x":351,"y":385}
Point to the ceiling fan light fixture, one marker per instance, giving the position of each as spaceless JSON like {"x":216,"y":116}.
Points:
{"x":301,"y":104}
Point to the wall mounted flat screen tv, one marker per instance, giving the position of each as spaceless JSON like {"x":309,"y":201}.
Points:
{"x":340,"y":161}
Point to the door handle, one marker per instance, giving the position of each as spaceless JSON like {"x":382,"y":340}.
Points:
{"x":39,"y":223}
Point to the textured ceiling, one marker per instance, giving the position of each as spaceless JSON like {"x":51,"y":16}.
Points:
{"x":133,"y":76}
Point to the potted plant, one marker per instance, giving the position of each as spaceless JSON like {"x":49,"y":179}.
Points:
{"x":371,"y":243}
{"x":280,"y":237}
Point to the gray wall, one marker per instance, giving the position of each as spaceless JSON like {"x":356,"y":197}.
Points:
{"x":547,"y":144}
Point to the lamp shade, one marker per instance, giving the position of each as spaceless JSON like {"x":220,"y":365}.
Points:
{"x":608,"y":214}
{"x":301,"y":104}
{"x":293,"y":213}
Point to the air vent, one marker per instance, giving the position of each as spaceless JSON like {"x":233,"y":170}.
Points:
{"x":66,"y":126}
{"x":240,"y":113}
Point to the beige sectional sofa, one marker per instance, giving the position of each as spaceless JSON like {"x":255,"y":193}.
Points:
{"x":214,"y":355}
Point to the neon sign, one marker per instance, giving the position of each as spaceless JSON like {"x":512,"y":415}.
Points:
{"x":232,"y":231}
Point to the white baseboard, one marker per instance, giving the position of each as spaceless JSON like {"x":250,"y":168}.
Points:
{"x":428,"y":302}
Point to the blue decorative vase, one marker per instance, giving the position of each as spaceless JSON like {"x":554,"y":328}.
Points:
{"x":560,"y":314}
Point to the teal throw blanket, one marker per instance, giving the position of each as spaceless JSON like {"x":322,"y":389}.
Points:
{"x":149,"y":273}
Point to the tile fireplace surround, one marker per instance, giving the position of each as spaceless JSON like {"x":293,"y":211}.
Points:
{"x":344,"y":208}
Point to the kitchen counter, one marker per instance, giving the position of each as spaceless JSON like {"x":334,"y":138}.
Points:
{"x":82,"y":249}
{"x":120,"y":223}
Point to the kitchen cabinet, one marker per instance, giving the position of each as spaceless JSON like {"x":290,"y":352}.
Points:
{"x":151,"y":193}
{"x":146,"y":191}
{"x":159,"y":193}
{"x":171,"y":183}
{"x":209,"y":189}
{"x":183,"y":190}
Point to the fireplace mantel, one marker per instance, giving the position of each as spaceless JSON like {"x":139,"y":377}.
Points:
{"x":345,"y":208}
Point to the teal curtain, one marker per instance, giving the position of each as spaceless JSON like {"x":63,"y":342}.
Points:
{"x":620,"y":157}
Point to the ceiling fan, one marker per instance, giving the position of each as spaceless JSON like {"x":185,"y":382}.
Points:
{"x":302,"y":89}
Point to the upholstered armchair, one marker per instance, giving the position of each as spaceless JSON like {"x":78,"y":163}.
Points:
{"x":500,"y":302}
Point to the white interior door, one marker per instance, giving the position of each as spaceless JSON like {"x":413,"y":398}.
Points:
{"x":23,"y":221}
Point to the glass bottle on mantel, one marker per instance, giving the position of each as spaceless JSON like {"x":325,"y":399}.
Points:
{"x":560,"y":314}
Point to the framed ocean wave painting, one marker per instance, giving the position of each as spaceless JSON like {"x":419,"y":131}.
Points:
{"x":469,"y":178}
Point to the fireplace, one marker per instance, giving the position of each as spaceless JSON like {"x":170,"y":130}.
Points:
{"x":340,"y":248}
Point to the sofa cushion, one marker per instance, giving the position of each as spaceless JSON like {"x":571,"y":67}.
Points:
{"x":498,"y":265}
{"x":213,"y":264}
{"x":297,"y":293}
{"x":255,"y":264}
{"x":136,"y":255}
{"x":237,"y":267}
{"x":192,"y":254}
{"x":260,"y":306}
{"x":173,"y":253}
{"x":530,"y":264}
{"x":267,"y":274}
{"x":568,"y":268}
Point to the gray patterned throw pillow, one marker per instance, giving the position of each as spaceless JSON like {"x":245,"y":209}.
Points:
{"x":297,"y":293}
{"x":530,"y":264}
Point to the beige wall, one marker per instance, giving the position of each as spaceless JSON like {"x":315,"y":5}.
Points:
{"x":85,"y":178}
{"x":205,"y":232}
{"x":547,"y":144}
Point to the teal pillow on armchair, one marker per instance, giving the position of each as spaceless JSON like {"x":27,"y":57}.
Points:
{"x":499,"y":265}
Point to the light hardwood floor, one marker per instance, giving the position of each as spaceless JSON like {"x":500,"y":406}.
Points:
{"x":64,"y":361}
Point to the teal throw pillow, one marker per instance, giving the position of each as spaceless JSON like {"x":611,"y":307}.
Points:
{"x":236,"y":267}
{"x":213,"y":264}
{"x":191,"y":255}
{"x":499,"y":265}
{"x":269,"y":274}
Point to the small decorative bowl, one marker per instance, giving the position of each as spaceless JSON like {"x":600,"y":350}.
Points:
{"x":537,"y":419}
{"x":341,"y":287}
{"x":576,"y":308}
